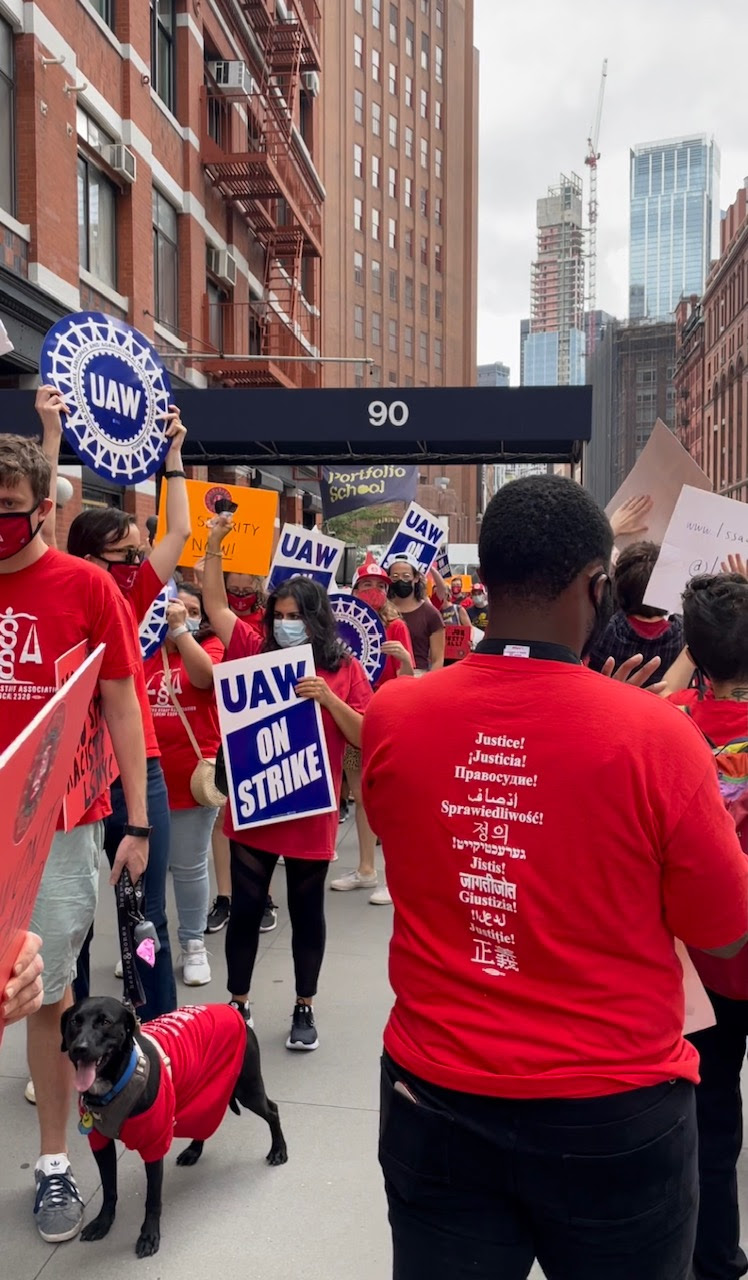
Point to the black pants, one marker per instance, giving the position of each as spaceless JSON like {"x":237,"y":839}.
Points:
{"x":595,"y":1189}
{"x":251,"y":873}
{"x":719,"y":1110}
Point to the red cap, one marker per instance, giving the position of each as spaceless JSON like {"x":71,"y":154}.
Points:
{"x":371,"y":569}
{"x":478,"y":586}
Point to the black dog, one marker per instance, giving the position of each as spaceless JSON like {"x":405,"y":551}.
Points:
{"x":123,"y":1073}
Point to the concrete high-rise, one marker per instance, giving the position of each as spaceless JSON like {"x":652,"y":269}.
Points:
{"x":493,"y":375}
{"x":553,"y":353}
{"x":674,"y":191}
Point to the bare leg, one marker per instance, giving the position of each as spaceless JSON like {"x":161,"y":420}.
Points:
{"x":366,"y":837}
{"x":222,"y":859}
{"x":52,"y":1074}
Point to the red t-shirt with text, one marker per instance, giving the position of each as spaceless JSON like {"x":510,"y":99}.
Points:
{"x":45,"y":610}
{"x":178,"y":756}
{"x":542,"y":874}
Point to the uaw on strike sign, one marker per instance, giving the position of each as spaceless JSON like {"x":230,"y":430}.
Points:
{"x":274,"y":744}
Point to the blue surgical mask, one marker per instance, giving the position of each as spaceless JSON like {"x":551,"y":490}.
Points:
{"x":289,"y":632}
{"x":193,"y":624}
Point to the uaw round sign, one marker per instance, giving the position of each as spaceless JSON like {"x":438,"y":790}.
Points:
{"x":360,"y":629}
{"x":116,"y":390}
{"x":154,"y":626}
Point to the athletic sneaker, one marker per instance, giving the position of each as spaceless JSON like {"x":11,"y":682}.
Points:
{"x":343,"y":810}
{"x":218,"y":914}
{"x":244,"y":1011}
{"x":58,"y":1207}
{"x":196,"y":970}
{"x":29,"y":1093}
{"x":118,"y":970}
{"x":381,"y":897}
{"x":354,"y":880}
{"x":303,"y":1031}
{"x":269,"y":917}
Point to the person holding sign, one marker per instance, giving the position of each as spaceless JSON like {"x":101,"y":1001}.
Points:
{"x":424,"y":622}
{"x":298,"y":613}
{"x":50,"y":604}
{"x":637,"y":628}
{"x":25,"y":990}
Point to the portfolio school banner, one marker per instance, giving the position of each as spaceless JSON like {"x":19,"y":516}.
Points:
{"x":306,"y":553}
{"x":419,"y":534}
{"x":274,"y":744}
{"x":349,"y":488}
{"x":249,"y":545}
{"x":34,"y":771}
{"x":94,"y":766}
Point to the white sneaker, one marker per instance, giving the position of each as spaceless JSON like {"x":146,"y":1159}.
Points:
{"x":29,"y":1093}
{"x":381,"y":897}
{"x":196,"y":971}
{"x":354,"y":880}
{"x":118,"y":972}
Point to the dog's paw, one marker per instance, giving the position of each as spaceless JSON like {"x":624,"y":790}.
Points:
{"x":97,"y":1228}
{"x":187,"y":1158}
{"x":148,"y":1243}
{"x":277,"y":1156}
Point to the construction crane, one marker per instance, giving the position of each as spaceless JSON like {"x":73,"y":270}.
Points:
{"x":591,"y":159}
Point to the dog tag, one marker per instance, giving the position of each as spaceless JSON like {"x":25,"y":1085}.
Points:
{"x":85,"y":1124}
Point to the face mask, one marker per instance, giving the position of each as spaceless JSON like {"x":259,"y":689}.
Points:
{"x":193,"y":624}
{"x":603,"y":612}
{"x":124,"y":575}
{"x":375,"y":597}
{"x":289,"y":632}
{"x":16,"y":532}
{"x":402,"y":590}
{"x":480,"y":601}
{"x":241,"y":604}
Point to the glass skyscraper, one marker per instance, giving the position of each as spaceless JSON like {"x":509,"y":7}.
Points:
{"x":674,"y":195}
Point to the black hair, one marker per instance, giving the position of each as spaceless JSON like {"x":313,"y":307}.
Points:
{"x":314,"y":607}
{"x":537,"y":536}
{"x":715,"y":622}
{"x":151,"y":525}
{"x":94,"y":530}
{"x":632,"y":573}
{"x":206,"y":631}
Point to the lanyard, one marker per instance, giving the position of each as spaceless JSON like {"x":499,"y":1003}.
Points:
{"x":541,"y":649}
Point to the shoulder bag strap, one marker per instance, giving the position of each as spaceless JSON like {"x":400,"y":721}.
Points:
{"x":177,"y":708}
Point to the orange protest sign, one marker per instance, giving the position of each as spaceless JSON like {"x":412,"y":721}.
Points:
{"x":456,"y":643}
{"x":248,"y":549}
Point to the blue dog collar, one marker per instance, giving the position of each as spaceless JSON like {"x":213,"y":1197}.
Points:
{"x":124,"y":1079}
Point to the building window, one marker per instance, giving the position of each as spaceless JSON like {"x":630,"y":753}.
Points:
{"x":408,"y":342}
{"x":394,"y":19}
{"x":376,"y":276}
{"x":408,"y":193}
{"x":164,"y":260}
{"x":375,"y":224}
{"x":163,"y":26}
{"x":409,"y":142}
{"x":424,"y":202}
{"x":425,"y":7}
{"x":423,"y":347}
{"x":424,"y":153}
{"x":438,"y":211}
{"x":376,"y":66}
{"x":392,"y":378}
{"x":358,"y":106}
{"x":424,"y":104}
{"x":438,"y":305}
{"x":438,"y":260}
{"x":408,"y":381}
{"x":425,"y":50}
{"x":392,"y":183}
{"x":217,"y":300}
{"x":438,"y":116}
{"x":438,"y":162}
{"x":358,"y":268}
{"x":439,"y":64}
{"x":393,"y":131}
{"x":358,"y":214}
{"x":409,"y":91}
{"x":409,"y":293}
{"x":358,"y":160}
{"x":375,"y":167}
{"x":358,"y":51}
{"x":376,"y":13}
{"x":376,"y":328}
{"x":410,"y":35}
{"x":437,"y":353}
{"x":105,"y":10}
{"x":376,"y":119}
{"x":424,"y":251}
{"x":7,"y":128}
{"x":358,"y":323}
{"x":393,"y":286}
{"x":424,"y":299}
{"x":409,"y":244}
{"x":392,"y":78}
{"x":392,"y":233}
{"x":440,"y":13}
{"x":358,"y":5}
{"x":97,"y":223}
{"x":392,"y":335}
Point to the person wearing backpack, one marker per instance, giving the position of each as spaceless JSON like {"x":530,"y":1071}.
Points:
{"x":715,"y":619}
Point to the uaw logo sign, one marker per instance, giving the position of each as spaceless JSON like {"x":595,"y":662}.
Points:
{"x":362,"y":632}
{"x":116,"y":390}
{"x":154,"y":626}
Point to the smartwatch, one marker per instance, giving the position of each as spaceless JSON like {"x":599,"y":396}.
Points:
{"x":139,"y":833}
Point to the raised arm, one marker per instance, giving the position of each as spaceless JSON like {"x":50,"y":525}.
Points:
{"x":50,"y":406}
{"x":215,"y":604}
{"x":167,"y":552}
{"x":196,"y":661}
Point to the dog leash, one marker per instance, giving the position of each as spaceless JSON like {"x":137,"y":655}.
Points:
{"x":128,"y":898}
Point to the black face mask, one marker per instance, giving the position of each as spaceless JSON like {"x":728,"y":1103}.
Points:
{"x":402,"y":590}
{"x":603,"y":611}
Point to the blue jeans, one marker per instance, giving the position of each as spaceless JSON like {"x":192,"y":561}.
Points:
{"x":159,"y":985}
{"x":189,"y":847}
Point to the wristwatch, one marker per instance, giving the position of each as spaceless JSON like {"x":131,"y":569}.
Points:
{"x":179,"y":631}
{"x":138,"y":833}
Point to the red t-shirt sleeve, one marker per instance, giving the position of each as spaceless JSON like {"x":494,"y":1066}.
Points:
{"x":245,"y":642}
{"x":112,"y":625}
{"x":146,"y":587}
{"x":359,"y":693}
{"x":705,"y":880}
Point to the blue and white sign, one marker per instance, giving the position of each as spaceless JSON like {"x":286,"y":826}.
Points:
{"x":360,"y":628}
{"x":154,"y":626}
{"x":419,"y":534}
{"x":306,"y":553}
{"x":441,"y":563}
{"x":116,"y":389}
{"x":277,"y":764}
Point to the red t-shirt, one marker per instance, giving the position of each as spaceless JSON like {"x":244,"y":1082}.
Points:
{"x":45,"y":610}
{"x":311,"y":838}
{"x":536,"y":957}
{"x":199,"y":706}
{"x":205,"y":1045}
{"x":395,"y":630}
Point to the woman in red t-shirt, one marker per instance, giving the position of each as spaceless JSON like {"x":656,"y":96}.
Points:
{"x":298,"y":612}
{"x":370,"y":583}
{"x":191,"y":651}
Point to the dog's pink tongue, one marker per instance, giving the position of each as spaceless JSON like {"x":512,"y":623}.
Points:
{"x":85,"y":1074}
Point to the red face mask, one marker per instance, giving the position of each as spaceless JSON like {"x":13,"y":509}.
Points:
{"x":16,"y":532}
{"x":375,"y":597}
{"x":242,"y":604}
{"x":124,"y":575}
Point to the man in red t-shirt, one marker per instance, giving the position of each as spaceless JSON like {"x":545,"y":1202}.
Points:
{"x":537,"y":1091}
{"x":50,"y":603}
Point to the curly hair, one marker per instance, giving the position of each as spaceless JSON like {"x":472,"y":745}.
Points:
{"x":715,"y":622}
{"x":330,"y":654}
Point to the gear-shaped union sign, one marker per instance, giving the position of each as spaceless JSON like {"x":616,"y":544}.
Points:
{"x":116,"y":390}
{"x":360,"y":629}
{"x":154,"y":626}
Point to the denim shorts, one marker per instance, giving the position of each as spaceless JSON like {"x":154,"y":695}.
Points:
{"x":66,"y":904}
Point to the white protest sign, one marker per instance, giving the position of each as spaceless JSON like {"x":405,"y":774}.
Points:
{"x":704,"y":529}
{"x":5,"y":343}
{"x":306,"y":553}
{"x":418,"y":534}
{"x":277,"y":764}
{"x":661,"y":470}
{"x":699,"y":1013}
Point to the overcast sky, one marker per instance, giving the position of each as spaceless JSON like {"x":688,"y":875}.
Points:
{"x":674,"y":67}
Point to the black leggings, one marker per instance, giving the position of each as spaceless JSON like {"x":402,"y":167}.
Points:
{"x":251,"y":873}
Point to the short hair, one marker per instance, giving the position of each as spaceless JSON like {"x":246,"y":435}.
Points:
{"x":633,"y":571}
{"x":537,"y":536}
{"x":22,"y":459}
{"x":96,"y":529}
{"x":715,"y":623}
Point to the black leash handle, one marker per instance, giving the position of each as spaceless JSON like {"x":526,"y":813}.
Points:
{"x":128,"y":898}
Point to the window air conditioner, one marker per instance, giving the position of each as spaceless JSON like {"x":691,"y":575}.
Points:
{"x":311,"y":82}
{"x":231,"y":77}
{"x":221,"y":264}
{"x":122,"y":160}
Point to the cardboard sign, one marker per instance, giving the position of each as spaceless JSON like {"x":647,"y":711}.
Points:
{"x":699,"y":1013}
{"x":705,"y":528}
{"x":350,"y":488}
{"x":360,"y":628}
{"x":457,"y":640}
{"x":34,"y":771}
{"x":305,"y":553}
{"x":419,"y":534}
{"x":661,"y":470}
{"x":153,"y":628}
{"x":277,"y":764}
{"x":249,"y":546}
{"x":94,"y":765}
{"x":117,"y":390}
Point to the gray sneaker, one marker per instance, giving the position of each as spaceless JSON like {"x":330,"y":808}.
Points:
{"x":58,"y":1207}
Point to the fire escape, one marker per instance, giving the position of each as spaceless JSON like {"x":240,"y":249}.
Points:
{"x":256,"y":163}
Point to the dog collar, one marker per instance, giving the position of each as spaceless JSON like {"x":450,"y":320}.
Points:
{"x":124,"y":1079}
{"x":107,"y":1115}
